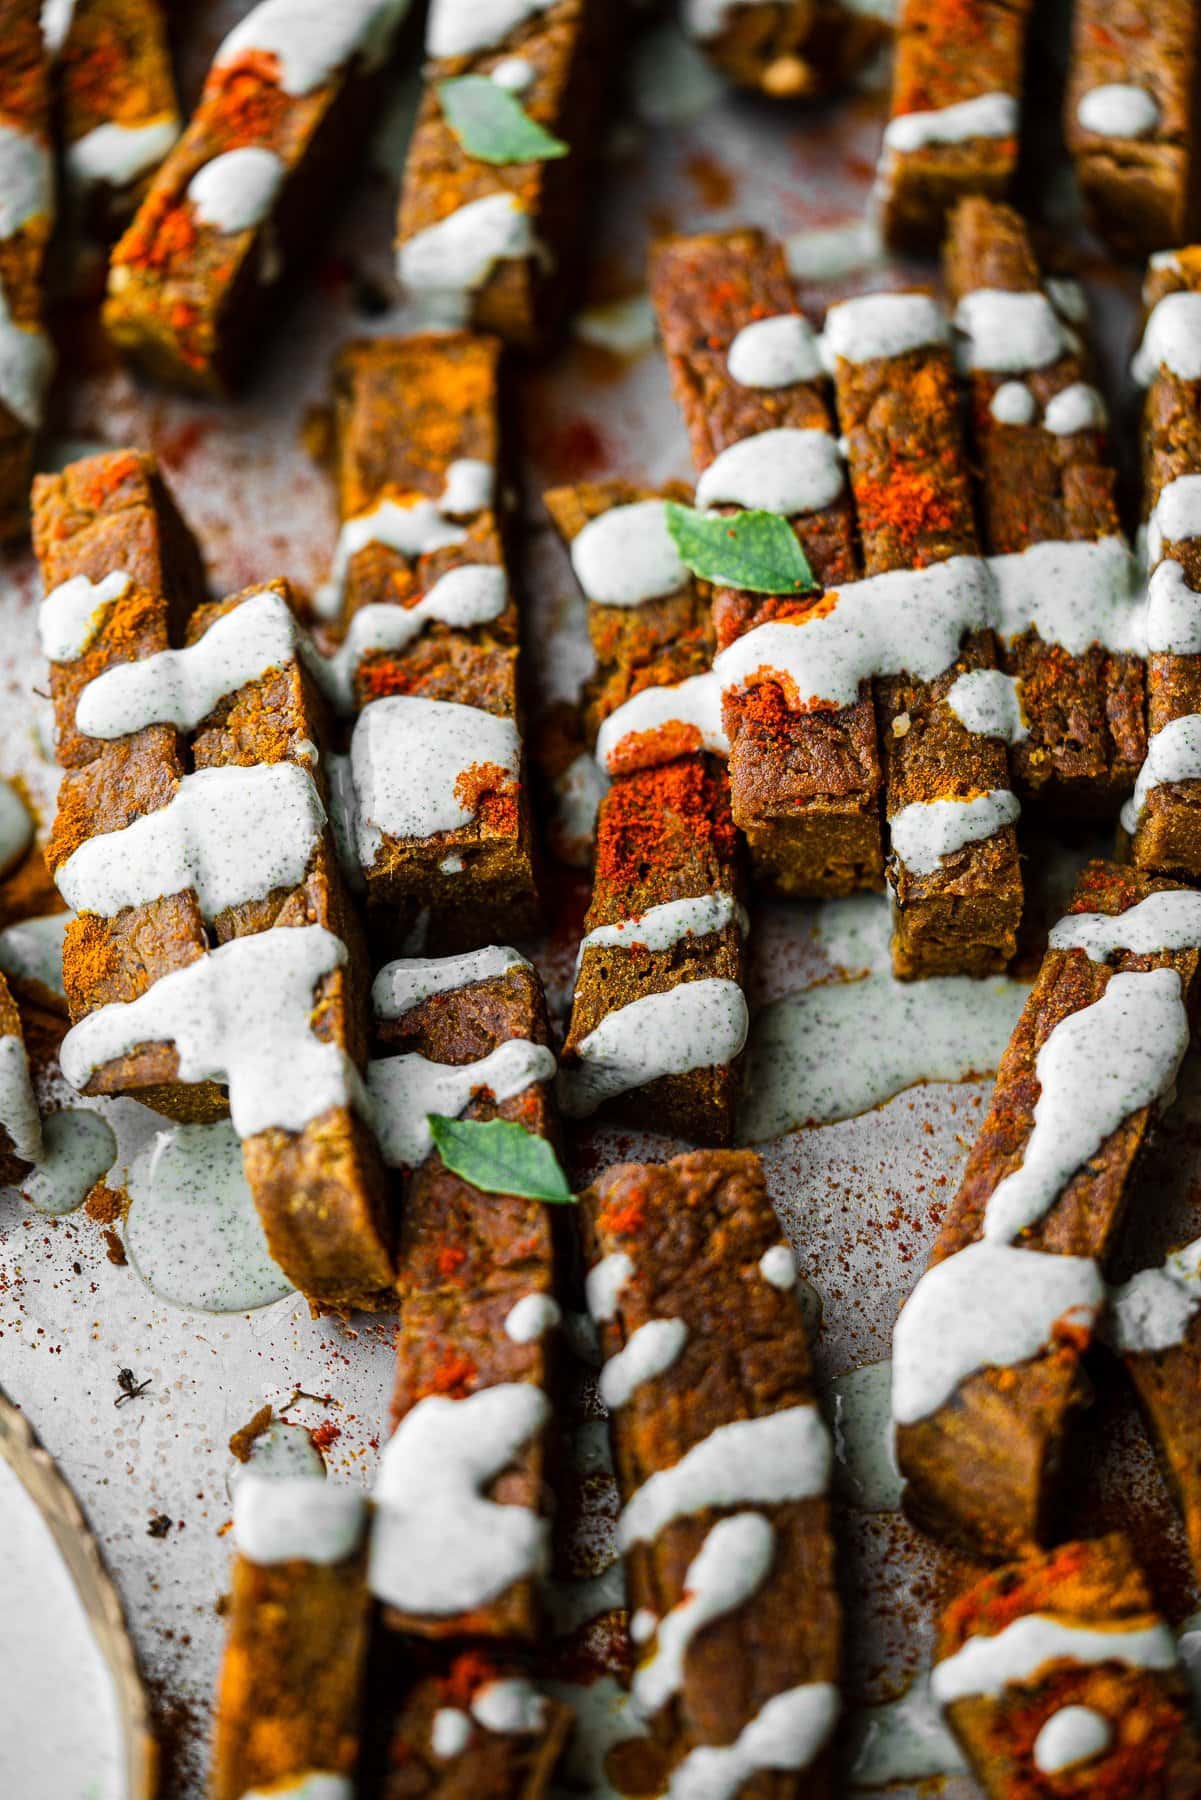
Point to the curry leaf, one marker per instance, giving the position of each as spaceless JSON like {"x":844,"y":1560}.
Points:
{"x":501,"y":1157}
{"x":754,"y":550}
{"x":492,"y":125}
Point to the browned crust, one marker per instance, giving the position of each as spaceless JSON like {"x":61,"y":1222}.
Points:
{"x":114,"y":68}
{"x":187,"y":302}
{"x":289,"y":1696}
{"x":663,"y":833}
{"x":1154,"y":1753}
{"x":805,"y":787}
{"x":1168,"y":1385}
{"x":24,"y":107}
{"x":1085,"y":713}
{"x":465,"y":1258}
{"x":322,"y":1193}
{"x":570,"y":45}
{"x":909,"y":475}
{"x":946,"y":55}
{"x":404,"y":411}
{"x":1168,"y":838}
{"x":412,"y":1684}
{"x":695,"y":1229}
{"x":794,"y":49}
{"x":982,"y":1471}
{"x":1140,"y":193}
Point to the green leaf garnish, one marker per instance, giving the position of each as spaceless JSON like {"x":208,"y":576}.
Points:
{"x":754,"y":550}
{"x":492,"y":125}
{"x":500,"y":1157}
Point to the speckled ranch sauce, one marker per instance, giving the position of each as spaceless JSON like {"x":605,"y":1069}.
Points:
{"x":812,"y":1060}
{"x":861,"y":1414}
{"x":16,"y":827}
{"x":192,"y":1232}
{"x":79,"y":1149}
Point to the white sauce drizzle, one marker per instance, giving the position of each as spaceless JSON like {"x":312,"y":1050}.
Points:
{"x":297,"y":1518}
{"x":753,"y":1462}
{"x":786,"y":1734}
{"x":729,"y":1569}
{"x":181,"y":687}
{"x":71,"y":614}
{"x":407,"y":755}
{"x":1095,"y":1069}
{"x":1154,"y":1309}
{"x":694,"y":1025}
{"x":988,"y":1665}
{"x":1078,"y":407}
{"x":463,"y":598}
{"x":1013,"y":404}
{"x":782,"y":471}
{"x":1119,"y":109}
{"x":19,"y":1115}
{"x":984,"y":116}
{"x":1074,"y":594}
{"x":1171,"y":340}
{"x":695,"y":703}
{"x":438,"y":1545}
{"x":1173,"y":754}
{"x":774,"y":353}
{"x":240,"y":1014}
{"x":448,"y":261}
{"x":652,"y":1349}
{"x":315,"y":1786}
{"x":643,"y":1625}
{"x":876,"y":326}
{"x":310,"y":40}
{"x":228,"y":834}
{"x":56,"y":17}
{"x":989,"y":1306}
{"x":405,"y":1089}
{"x":460,"y":27}
{"x":989,"y":702}
{"x":660,"y":927}
{"x":604,"y":1284}
{"x":1176,"y":516}
{"x":16,"y":827}
{"x":114,"y":155}
{"x":1073,"y":1735}
{"x":514,"y":73}
{"x":405,"y":983}
{"x":532,"y":1317}
{"x":512,"y":1707}
{"x":236,"y":191}
{"x":1170,"y":920}
{"x":451,"y":1733}
{"x":926,"y":831}
{"x":26,"y":364}
{"x":778,"y":1267}
{"x":909,"y":620}
{"x":26,"y":180}
{"x":411,"y":527}
{"x":626,"y":555}
{"x":1010,"y":333}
